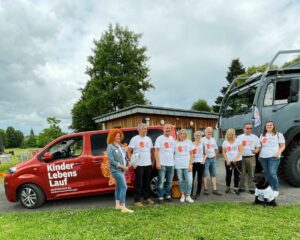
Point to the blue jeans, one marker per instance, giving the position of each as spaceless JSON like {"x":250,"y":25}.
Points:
{"x":185,"y":179}
{"x":270,"y":166}
{"x":121,"y":186}
{"x":165,"y":188}
{"x":210,"y":166}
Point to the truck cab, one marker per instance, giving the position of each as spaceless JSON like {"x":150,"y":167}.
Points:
{"x":269,"y":96}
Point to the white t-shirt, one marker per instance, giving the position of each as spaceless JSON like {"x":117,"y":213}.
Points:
{"x":182,"y":154}
{"x":232,"y":149}
{"x":198,"y":152}
{"x":123,"y":153}
{"x":270,"y":144}
{"x":141,"y":150}
{"x":210,"y":146}
{"x":166,"y":147}
{"x":249,"y":142}
{"x":264,"y":193}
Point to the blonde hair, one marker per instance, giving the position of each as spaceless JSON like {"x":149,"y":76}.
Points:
{"x":180,"y":132}
{"x":199,"y":133}
{"x":230,"y":131}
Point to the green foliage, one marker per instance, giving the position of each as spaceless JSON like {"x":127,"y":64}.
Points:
{"x":289,"y":63}
{"x":184,"y":221}
{"x":201,"y":105}
{"x":31,"y":141}
{"x":119,"y":77}
{"x":4,"y":137}
{"x":235,"y":69}
{"x":15,"y":138}
{"x":50,"y":133}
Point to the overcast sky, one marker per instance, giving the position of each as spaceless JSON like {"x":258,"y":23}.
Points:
{"x":44,"y":47}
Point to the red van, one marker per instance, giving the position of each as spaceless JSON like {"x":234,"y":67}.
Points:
{"x":73,"y":165}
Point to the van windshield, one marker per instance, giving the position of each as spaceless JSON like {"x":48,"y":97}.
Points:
{"x":240,"y":102}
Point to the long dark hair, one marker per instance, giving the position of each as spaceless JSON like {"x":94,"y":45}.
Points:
{"x":265,"y":128}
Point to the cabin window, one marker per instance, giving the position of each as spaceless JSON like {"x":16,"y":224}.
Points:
{"x":277,"y":93}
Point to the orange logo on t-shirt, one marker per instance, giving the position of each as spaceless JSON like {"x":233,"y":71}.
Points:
{"x":179,"y":148}
{"x":166,"y":144}
{"x":195,"y":151}
{"x":228,"y":148}
{"x":142,"y":144}
{"x":264,"y":140}
{"x":244,"y":142}
{"x":208,"y":146}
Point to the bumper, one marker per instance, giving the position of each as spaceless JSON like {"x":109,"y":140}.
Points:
{"x":10,"y":190}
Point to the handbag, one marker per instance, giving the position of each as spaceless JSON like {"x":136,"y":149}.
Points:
{"x":175,"y":190}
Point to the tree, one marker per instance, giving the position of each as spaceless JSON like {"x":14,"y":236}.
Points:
{"x":15,"y":138}
{"x":201,"y":105}
{"x":119,"y":77}
{"x":235,"y":69}
{"x":50,"y":133}
{"x":31,"y":141}
{"x":4,"y":137}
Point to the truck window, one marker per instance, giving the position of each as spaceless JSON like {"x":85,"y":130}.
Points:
{"x":277,"y":93}
{"x":240,"y":102}
{"x":67,"y":148}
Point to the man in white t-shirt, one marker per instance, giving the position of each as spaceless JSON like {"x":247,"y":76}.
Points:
{"x":164,"y":156}
{"x":251,"y":146}
{"x":139,"y":154}
{"x":211,"y":150}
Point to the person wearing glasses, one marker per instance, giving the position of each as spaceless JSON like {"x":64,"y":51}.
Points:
{"x":251,"y":147}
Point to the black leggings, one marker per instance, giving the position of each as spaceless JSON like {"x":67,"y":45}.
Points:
{"x":142,"y":182}
{"x":232,"y":168}
{"x":199,"y":169}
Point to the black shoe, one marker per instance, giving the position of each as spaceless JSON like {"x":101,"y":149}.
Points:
{"x":216,"y":193}
{"x":241,"y":190}
{"x":206,"y":192}
{"x":251,"y":191}
{"x":236,"y":191}
{"x":197,"y":196}
{"x":168,"y":200}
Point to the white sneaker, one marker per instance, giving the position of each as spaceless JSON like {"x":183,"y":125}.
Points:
{"x":189,"y":199}
{"x":276,"y":194}
{"x":182,"y":198}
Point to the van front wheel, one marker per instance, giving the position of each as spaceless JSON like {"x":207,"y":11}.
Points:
{"x":31,"y":196}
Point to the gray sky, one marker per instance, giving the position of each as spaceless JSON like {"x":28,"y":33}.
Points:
{"x":44,"y":46}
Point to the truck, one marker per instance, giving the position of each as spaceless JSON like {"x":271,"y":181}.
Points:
{"x":269,"y":96}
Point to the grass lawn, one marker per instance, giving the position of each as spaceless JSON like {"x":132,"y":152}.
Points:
{"x":196,"y":221}
{"x":15,"y":158}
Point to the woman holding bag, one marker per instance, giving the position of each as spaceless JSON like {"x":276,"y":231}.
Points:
{"x":118,"y":166}
{"x":272,"y":145}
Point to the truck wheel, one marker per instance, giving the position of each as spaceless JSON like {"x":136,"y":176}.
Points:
{"x":31,"y":196}
{"x":292,"y":165}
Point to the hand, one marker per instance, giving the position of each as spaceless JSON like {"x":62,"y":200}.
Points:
{"x":134,"y":166}
{"x":277,"y":154}
{"x":125,"y":169}
{"x":190,"y":167}
{"x":227,"y":163}
{"x":122,"y":167}
{"x":158,"y":166}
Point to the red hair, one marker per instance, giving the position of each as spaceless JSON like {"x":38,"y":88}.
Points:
{"x":112,"y":134}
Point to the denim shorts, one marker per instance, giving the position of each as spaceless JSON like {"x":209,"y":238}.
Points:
{"x":210,"y":166}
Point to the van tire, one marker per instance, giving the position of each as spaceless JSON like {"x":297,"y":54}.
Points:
{"x":291,"y":165}
{"x":31,"y":196}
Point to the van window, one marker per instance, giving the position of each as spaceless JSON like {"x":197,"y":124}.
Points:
{"x":277,"y":93}
{"x":98,"y":144}
{"x":67,"y":148}
{"x":154,"y":133}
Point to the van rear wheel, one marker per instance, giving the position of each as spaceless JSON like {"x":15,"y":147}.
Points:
{"x":292,"y":165}
{"x":31,"y":196}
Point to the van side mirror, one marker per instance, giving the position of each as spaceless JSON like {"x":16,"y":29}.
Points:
{"x":47,"y":157}
{"x":294,"y":91}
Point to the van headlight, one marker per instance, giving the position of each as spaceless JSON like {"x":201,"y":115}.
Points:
{"x":12,"y":170}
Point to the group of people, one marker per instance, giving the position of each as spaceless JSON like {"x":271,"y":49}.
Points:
{"x":189,"y":158}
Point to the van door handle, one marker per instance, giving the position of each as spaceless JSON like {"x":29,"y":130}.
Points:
{"x":78,"y":164}
{"x":96,"y":161}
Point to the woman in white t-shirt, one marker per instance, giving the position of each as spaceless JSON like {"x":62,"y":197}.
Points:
{"x":199,"y":162}
{"x":183,"y":165}
{"x":232,"y":150}
{"x":273,"y":144}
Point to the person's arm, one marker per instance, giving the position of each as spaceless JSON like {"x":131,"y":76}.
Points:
{"x":129,"y":153}
{"x":240,"y":153}
{"x":191,"y":161}
{"x":225,"y":156}
{"x":111,"y":158}
{"x":157,"y":160}
{"x":257,"y":146}
{"x":281,"y":145}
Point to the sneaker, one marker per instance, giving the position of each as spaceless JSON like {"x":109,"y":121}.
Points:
{"x":118,"y":208}
{"x":188,"y":199}
{"x":149,"y":201}
{"x":206,"y":192}
{"x":236,"y":191}
{"x":138,"y":204}
{"x":227,"y":190}
{"x":241,"y":190}
{"x":197,"y":196}
{"x":276,"y":194}
{"x":215,"y":192}
{"x":251,"y":192}
{"x":182,"y":199}
{"x":126,"y":210}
